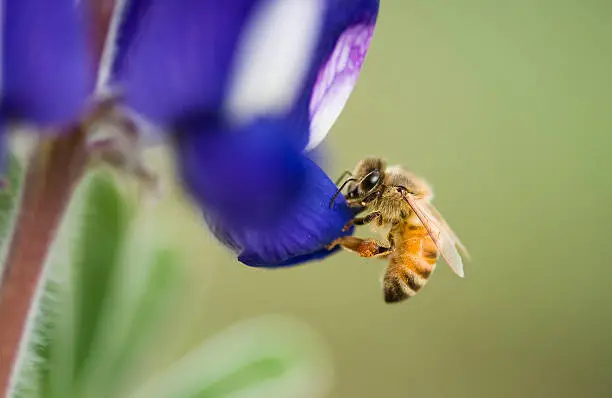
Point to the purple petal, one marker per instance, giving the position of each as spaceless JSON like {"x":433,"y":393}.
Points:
{"x":317,"y":255}
{"x":173,"y":57}
{"x":346,"y":36}
{"x":301,"y":57}
{"x":260,"y":194}
{"x":243,"y":175}
{"x":46,"y":70}
{"x":301,"y":233}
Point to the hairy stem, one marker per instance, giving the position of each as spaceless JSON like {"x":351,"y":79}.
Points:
{"x":54,"y":170}
{"x":55,"y":167}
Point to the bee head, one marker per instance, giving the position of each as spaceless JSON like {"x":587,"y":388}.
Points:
{"x":365,"y":180}
{"x":369,"y":175}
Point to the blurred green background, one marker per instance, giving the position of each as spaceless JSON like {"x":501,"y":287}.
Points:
{"x":504,"y":107}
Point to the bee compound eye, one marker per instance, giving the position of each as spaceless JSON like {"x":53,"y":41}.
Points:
{"x":371,"y":182}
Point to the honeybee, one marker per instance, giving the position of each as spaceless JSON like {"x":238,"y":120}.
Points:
{"x":418,"y":233}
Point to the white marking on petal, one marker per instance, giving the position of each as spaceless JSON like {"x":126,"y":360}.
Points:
{"x":336,"y":81}
{"x":273,"y":57}
{"x":110,"y":49}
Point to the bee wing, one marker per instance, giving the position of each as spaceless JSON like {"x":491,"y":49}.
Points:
{"x":443,"y":240}
{"x":451,"y":233}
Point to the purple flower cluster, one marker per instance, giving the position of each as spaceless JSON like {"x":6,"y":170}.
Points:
{"x":243,"y":89}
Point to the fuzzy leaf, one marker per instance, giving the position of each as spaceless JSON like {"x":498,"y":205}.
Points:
{"x":271,"y":357}
{"x":97,"y":254}
{"x":135,"y":311}
{"x":9,"y":204}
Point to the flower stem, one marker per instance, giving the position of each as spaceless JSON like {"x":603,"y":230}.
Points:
{"x":54,"y":169}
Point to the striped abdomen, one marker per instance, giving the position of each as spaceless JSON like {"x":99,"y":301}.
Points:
{"x":412,"y":262}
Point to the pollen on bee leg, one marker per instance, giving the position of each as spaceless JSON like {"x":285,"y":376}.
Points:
{"x":363,"y":247}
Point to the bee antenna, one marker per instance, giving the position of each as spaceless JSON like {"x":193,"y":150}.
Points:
{"x":344,"y":174}
{"x":333,"y":199}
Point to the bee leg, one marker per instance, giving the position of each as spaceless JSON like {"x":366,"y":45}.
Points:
{"x":363,"y":247}
{"x":361,"y":220}
{"x":370,"y":198}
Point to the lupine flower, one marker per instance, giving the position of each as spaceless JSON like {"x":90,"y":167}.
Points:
{"x":242,"y":89}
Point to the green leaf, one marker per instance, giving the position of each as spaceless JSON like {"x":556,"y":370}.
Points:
{"x":269,"y":357}
{"x":139,"y":308}
{"x":9,"y":205}
{"x":245,"y":377}
{"x":97,"y":254}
